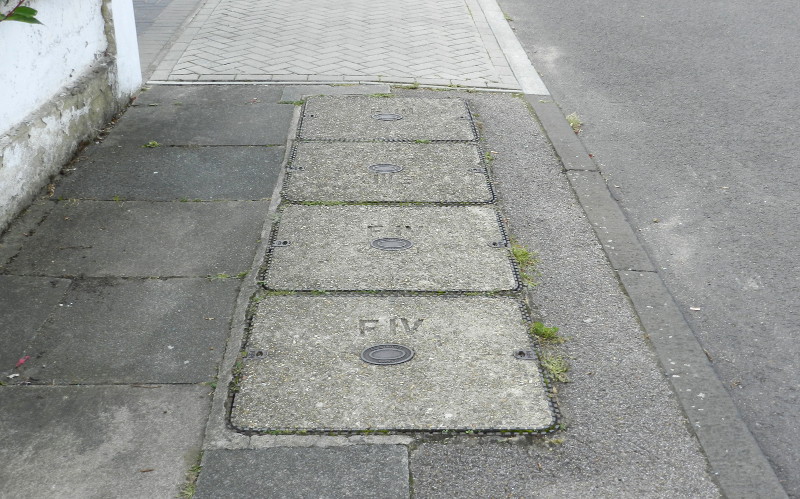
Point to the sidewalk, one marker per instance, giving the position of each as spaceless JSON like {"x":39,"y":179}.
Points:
{"x":213,"y":223}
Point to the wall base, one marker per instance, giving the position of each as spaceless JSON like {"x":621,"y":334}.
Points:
{"x":37,"y":149}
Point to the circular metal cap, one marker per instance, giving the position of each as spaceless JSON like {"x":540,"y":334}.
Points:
{"x":385,"y":168}
{"x":386,"y":117}
{"x":386,"y":355}
{"x":391,"y":244}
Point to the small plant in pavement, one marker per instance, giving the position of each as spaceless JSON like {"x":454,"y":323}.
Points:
{"x":152,"y":144}
{"x":556,"y":366}
{"x":575,"y":122}
{"x":527,"y":262}
{"x":190,"y":485}
{"x":545,"y":333}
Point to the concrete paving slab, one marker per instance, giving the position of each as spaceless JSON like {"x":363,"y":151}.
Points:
{"x":99,"y":441}
{"x":134,"y":331}
{"x":220,"y":115}
{"x":363,"y":471}
{"x":131,"y":172}
{"x":294,"y":93}
{"x":464,"y":467}
{"x":25,"y":303}
{"x":463,"y":374}
{"x":358,"y":118}
{"x":141,"y":239}
{"x":353,"y":171}
{"x":331,"y":248}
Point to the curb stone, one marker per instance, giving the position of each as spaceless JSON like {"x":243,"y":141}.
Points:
{"x":738,"y":464}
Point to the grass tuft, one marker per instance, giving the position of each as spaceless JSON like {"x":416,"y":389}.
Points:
{"x":575,"y":122}
{"x":556,"y":366}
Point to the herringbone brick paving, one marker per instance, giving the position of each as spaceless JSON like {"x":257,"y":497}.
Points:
{"x":432,"y":42}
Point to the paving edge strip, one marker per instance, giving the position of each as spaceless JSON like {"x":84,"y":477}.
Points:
{"x":739,"y":466}
{"x":218,"y":433}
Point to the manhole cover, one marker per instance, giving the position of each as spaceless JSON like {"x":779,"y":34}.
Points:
{"x":386,"y":117}
{"x":385,"y":355}
{"x":392,"y":244}
{"x":385,"y":168}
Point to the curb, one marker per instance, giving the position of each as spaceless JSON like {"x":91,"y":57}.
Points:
{"x":737,"y":463}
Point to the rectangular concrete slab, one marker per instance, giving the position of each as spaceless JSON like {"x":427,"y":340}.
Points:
{"x":463,"y":375}
{"x":99,"y":441}
{"x":333,"y":248}
{"x":143,"y":239}
{"x":387,"y":171}
{"x":219,"y":115}
{"x":357,"y":118}
{"x":363,"y":471}
{"x":134,"y":331}
{"x":25,"y":303}
{"x":138,"y":173}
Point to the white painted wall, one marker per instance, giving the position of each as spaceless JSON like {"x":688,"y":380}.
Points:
{"x":61,"y":82}
{"x":40,"y":60}
{"x":129,"y":70}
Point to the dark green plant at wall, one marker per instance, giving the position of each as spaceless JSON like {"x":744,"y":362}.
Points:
{"x":19,"y":13}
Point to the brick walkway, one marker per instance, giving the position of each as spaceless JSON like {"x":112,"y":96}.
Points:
{"x":447,"y":42}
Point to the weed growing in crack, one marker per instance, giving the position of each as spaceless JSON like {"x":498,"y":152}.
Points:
{"x":575,"y":122}
{"x":190,"y":485}
{"x":527,"y":262}
{"x":556,"y":366}
{"x":544,"y":333}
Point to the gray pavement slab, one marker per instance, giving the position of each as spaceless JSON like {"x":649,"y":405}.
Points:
{"x":25,"y":303}
{"x":142,"y":239}
{"x":208,"y":115}
{"x":358,"y":118}
{"x":331,"y":248}
{"x":352,"y":171}
{"x":295,"y":93}
{"x":363,"y":471}
{"x":463,"y":467}
{"x":131,"y":172}
{"x":114,"y":331}
{"x":99,"y":441}
{"x":464,"y":374}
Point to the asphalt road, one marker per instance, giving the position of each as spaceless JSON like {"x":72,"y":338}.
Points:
{"x":691,"y":109}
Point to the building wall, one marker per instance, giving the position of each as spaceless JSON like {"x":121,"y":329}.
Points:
{"x":61,"y":82}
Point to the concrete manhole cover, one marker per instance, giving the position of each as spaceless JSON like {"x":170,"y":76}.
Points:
{"x":430,"y":248}
{"x":463,"y":375}
{"x":387,"y":171}
{"x":381,"y":118}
